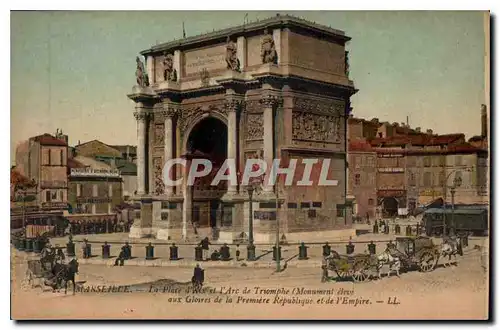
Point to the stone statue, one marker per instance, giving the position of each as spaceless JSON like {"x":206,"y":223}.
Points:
{"x":231,"y":58}
{"x":169,"y":73}
{"x":140,"y":73}
{"x":268,"y":49}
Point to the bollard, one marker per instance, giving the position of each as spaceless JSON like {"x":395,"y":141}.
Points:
{"x":105,"y":250}
{"x":225,"y":252}
{"x":349,"y":248}
{"x":397,"y":229}
{"x":36,"y":245}
{"x":174,"y":252}
{"x":274,"y":253}
{"x":198,"y":253}
{"x":326,"y":250}
{"x":408,"y":230}
{"x":372,"y":248}
{"x":250,"y":252}
{"x":150,"y":252}
{"x":70,"y":248}
{"x":22,"y":243}
{"x":375,"y":228}
{"x":87,"y":251}
{"x":302,"y":251}
{"x":29,"y":245}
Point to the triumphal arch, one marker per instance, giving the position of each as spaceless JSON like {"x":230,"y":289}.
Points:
{"x":273,"y":89}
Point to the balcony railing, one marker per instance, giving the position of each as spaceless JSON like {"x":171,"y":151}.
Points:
{"x":89,"y":172}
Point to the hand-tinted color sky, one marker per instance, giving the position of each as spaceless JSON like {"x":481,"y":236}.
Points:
{"x":73,"y":70}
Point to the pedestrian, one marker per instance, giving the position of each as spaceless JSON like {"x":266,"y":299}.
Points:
{"x":121,"y":257}
{"x":204,"y":245}
{"x":237,"y":252}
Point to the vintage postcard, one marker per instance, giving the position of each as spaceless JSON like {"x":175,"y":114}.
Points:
{"x":250,"y":165}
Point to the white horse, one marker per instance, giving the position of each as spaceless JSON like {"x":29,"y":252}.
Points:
{"x":450,"y":248}
{"x":385,"y":258}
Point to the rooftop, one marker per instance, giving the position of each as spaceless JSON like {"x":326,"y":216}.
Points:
{"x":272,"y":22}
{"x":49,"y":140}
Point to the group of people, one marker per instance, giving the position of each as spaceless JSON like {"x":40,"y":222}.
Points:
{"x":98,"y":227}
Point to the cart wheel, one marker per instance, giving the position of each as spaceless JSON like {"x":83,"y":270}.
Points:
{"x":427,"y":262}
{"x":359,"y":272}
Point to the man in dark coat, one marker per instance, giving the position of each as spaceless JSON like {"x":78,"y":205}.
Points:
{"x":121,"y":257}
{"x":204,"y":245}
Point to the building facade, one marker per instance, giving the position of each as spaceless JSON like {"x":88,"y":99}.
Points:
{"x":362,"y":185}
{"x":93,"y":189}
{"x":43,"y":159}
{"x":266,"y":89}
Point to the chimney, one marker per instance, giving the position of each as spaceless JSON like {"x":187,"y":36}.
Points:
{"x":429,"y":131}
{"x":374,"y":120}
{"x":418,"y":129}
{"x":395,"y":124}
{"x":484,"y":121}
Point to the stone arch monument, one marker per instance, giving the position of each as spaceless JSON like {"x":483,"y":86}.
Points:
{"x":287,"y":96}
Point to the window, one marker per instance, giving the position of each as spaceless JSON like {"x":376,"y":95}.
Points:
{"x":427,"y":161}
{"x":305,"y":205}
{"x":317,"y":204}
{"x":427,"y":179}
{"x":62,"y":157}
{"x":78,"y":189}
{"x":357,"y":179}
{"x":292,"y":205}
{"x":53,"y":195}
{"x":47,"y":195}
{"x":411,"y":179}
{"x":49,"y":161}
{"x":370,"y":201}
{"x":340,"y":210}
{"x":370,"y":162}
{"x":61,"y":195}
{"x":94,"y":190}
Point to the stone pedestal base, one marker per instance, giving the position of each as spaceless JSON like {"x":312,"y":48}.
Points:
{"x":226,"y":237}
{"x":138,"y":232}
{"x":163,"y":234}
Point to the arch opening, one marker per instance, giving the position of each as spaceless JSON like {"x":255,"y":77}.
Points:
{"x":208,"y":138}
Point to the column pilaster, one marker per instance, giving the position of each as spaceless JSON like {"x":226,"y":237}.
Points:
{"x":141,"y":117}
{"x":168,"y":114}
{"x":232,"y":105}
{"x":269,"y":103}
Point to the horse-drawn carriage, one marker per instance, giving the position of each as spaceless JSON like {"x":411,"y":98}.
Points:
{"x":408,"y":253}
{"x":49,"y":270}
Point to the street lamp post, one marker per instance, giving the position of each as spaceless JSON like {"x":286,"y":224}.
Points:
{"x":251,"y":246}
{"x":457,"y":182}
{"x":278,"y":254}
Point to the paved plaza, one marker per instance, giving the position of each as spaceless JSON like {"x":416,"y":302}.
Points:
{"x":458,"y":292}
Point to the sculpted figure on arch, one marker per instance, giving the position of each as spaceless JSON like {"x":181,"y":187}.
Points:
{"x":268,"y":49}
{"x":231,"y":55}
{"x":169,"y":73}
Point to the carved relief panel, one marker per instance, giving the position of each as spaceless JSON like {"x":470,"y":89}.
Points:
{"x":314,"y":127}
{"x":255,"y":126}
{"x":159,"y":186}
{"x":159,"y":135}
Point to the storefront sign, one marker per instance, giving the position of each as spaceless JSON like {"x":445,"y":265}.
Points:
{"x":391,"y":170}
{"x":391,"y":193}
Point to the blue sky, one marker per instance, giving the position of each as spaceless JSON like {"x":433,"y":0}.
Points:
{"x":425,"y":65}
